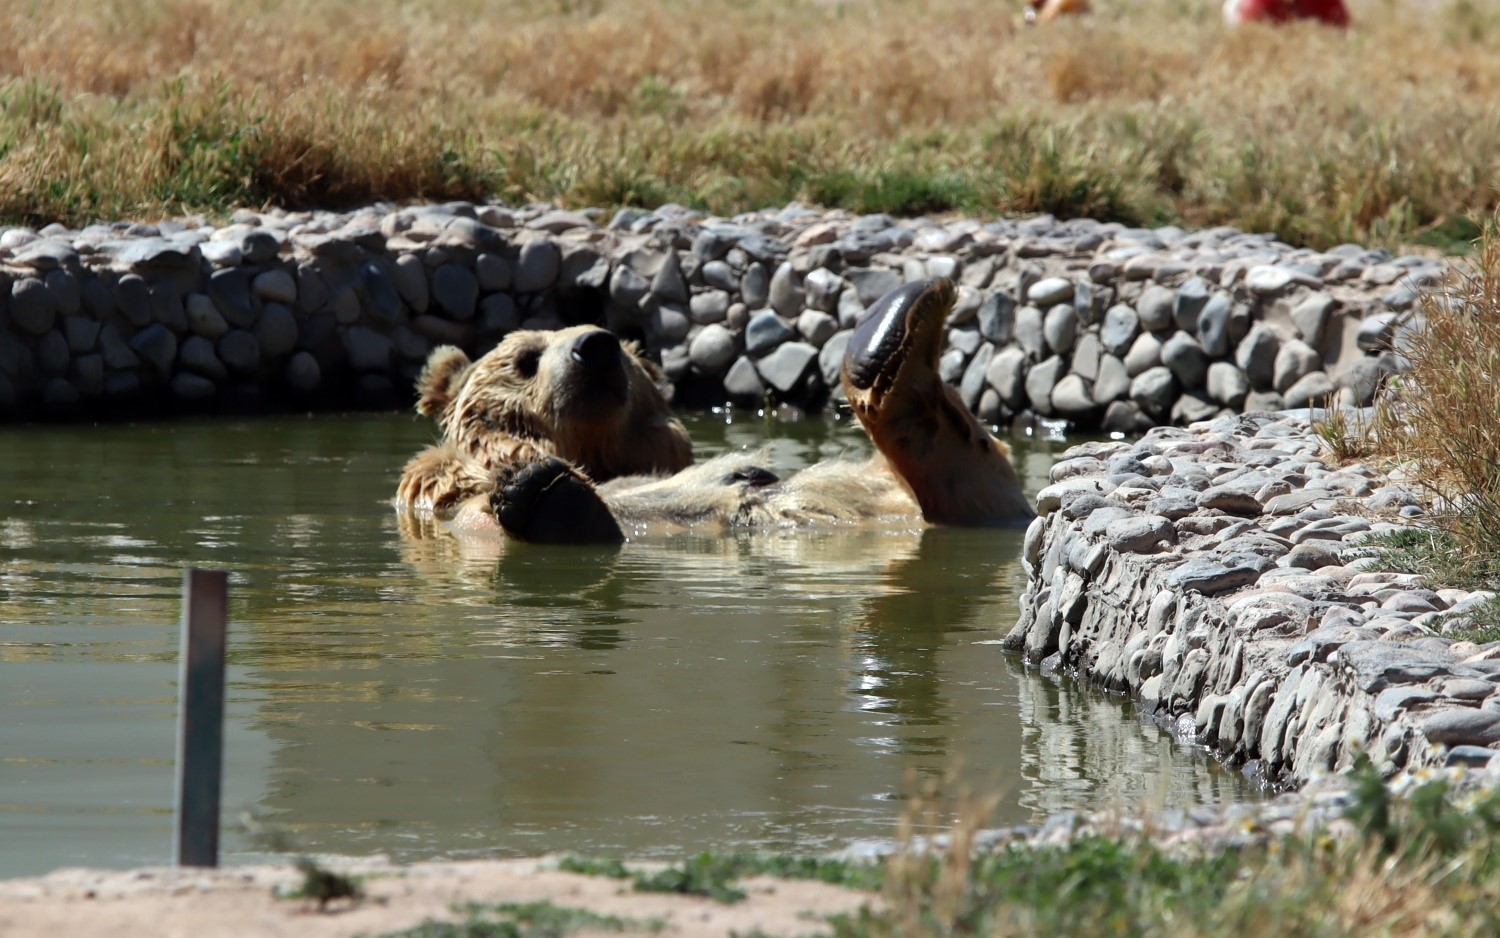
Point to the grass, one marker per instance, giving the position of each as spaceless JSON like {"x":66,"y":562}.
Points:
{"x":715,"y":875}
{"x":1425,"y":863}
{"x":323,"y":885}
{"x":1440,"y":424}
{"x":1148,"y":112}
{"x":522,"y":920}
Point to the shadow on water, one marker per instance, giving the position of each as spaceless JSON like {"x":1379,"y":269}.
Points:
{"x":397,"y":690}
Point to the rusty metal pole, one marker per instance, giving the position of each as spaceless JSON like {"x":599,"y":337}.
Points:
{"x":200,"y":717}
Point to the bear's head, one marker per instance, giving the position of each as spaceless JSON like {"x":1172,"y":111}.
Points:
{"x":576,"y":393}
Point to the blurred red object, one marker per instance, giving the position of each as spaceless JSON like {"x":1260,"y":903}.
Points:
{"x":1332,"y":12}
{"x":1045,"y":11}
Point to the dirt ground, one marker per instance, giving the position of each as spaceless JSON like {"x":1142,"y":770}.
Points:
{"x":243,"y":901}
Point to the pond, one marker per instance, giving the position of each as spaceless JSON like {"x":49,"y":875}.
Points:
{"x":425,"y":698}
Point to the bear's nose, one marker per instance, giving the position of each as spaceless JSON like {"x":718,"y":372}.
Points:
{"x":597,"y":348}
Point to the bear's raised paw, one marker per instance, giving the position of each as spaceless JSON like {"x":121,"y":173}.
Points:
{"x":548,"y":502}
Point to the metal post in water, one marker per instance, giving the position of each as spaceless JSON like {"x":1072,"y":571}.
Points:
{"x":200,"y":717}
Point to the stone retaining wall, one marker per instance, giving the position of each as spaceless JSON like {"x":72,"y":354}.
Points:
{"x":1099,"y":324}
{"x":1213,"y":573}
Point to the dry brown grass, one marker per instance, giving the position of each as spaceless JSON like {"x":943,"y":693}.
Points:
{"x":1444,"y":422}
{"x":1148,"y":111}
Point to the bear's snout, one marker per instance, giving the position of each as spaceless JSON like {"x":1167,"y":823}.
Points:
{"x":597,"y":349}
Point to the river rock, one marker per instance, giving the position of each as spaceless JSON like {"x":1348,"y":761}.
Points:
{"x":816,"y":327}
{"x":712,"y":350}
{"x":1040,"y":381}
{"x":1256,"y":356}
{"x":81,"y":334}
{"x":1050,"y":291}
{"x":197,"y":355}
{"x":366,"y":349}
{"x":1006,"y":374}
{"x":277,"y":285}
{"x":302,"y":373}
{"x":276,"y":330}
{"x":786,"y":291}
{"x":669,"y":285}
{"x":456,"y":291}
{"x":384,"y":302}
{"x":1113,"y":381}
{"x":1060,"y":327}
{"x":1227,"y":384}
{"x":494,"y":274}
{"x":498,"y":315}
{"x":1119,"y":330}
{"x":1155,"y":308}
{"x":1073,"y":398}
{"x":52,"y":353}
{"x":1295,"y":361}
{"x":1144,"y":354}
{"x":239,"y":351}
{"x":708,"y":307}
{"x":538,"y":266}
{"x":1312,"y":391}
{"x":32,"y":308}
{"x":626,"y":287}
{"x":1311,"y":316}
{"x":1155,"y":389}
{"x":1213,"y":325}
{"x":1030,"y":332}
{"x":410,"y":275}
{"x":1086,"y":356}
{"x":765,"y":331}
{"x":157,"y":348}
{"x":785,"y":368}
{"x":1191,"y":298}
{"x":997,"y":316}
{"x":743,"y":384}
{"x":1184,"y":356}
{"x":755,"y":286}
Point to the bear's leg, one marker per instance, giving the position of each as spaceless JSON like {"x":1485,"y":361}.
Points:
{"x":547,"y":502}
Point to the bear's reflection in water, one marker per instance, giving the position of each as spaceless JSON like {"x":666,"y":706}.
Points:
{"x":895,"y":595}
{"x":765,"y":690}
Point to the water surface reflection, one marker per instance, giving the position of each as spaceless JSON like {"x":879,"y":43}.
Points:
{"x":426,"y":697}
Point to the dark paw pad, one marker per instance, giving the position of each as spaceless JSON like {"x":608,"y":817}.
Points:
{"x":547,"y":502}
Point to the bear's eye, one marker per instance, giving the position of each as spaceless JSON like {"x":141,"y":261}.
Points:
{"x":527,"y":361}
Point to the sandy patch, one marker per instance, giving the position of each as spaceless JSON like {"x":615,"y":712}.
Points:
{"x":241,"y":901}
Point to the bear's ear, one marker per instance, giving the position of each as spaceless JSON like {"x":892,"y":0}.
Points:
{"x":446,"y":369}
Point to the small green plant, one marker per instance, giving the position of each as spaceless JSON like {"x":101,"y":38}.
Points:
{"x":324,"y":885}
{"x":613,"y":869}
{"x":521,"y":920}
{"x":703,"y":875}
{"x":713,"y":874}
{"x":1420,"y":864}
{"x":1347,"y":436}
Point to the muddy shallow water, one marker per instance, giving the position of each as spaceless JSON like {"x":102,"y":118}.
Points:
{"x":424,"y":698}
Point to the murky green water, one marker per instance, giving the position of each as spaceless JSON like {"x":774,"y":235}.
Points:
{"x":421,"y":699}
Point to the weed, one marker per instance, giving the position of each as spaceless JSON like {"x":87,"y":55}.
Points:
{"x":323,"y":885}
{"x":1151,"y":113}
{"x":1347,"y":436}
{"x":613,"y":869}
{"x":706,"y":874}
{"x":1421,"y":864}
{"x":714,"y":875}
{"x":520,"y":920}
{"x":1443,"y":426}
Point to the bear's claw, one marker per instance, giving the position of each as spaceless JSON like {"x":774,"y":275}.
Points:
{"x":548,"y":502}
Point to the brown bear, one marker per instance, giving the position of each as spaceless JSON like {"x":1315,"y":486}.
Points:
{"x":564,"y":438}
{"x":576,"y":394}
